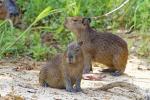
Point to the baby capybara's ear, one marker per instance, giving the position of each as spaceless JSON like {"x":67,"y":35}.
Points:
{"x":80,"y":43}
{"x":86,"y":21}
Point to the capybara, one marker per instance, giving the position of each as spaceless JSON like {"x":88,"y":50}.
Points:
{"x":64,"y":70}
{"x":48,"y":39}
{"x":102,"y":47}
{"x":9,"y":10}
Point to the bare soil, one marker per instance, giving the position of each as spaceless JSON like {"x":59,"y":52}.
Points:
{"x":19,"y":81}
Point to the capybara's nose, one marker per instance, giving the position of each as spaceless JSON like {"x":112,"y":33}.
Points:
{"x":70,"y":57}
{"x":70,"y":60}
{"x":14,"y":14}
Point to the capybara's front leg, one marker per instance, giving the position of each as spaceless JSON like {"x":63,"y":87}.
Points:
{"x":87,"y":64}
{"x":78,"y":84}
{"x":68,"y":83}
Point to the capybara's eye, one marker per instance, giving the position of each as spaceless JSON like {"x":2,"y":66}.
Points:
{"x":75,"y":20}
{"x":77,"y":49}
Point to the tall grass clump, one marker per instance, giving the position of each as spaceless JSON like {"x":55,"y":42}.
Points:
{"x":135,"y":14}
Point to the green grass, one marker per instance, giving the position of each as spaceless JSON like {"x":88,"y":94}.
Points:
{"x":15,"y":42}
{"x":144,"y":45}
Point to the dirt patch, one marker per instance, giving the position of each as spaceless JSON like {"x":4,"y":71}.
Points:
{"x":23,"y":83}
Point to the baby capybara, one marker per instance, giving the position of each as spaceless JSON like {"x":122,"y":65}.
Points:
{"x":64,"y":70}
{"x":102,"y":47}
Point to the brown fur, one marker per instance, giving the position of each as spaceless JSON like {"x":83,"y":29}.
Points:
{"x":105,"y":48}
{"x":51,"y":73}
{"x":4,"y":13}
{"x":60,"y":69}
{"x":48,"y":39}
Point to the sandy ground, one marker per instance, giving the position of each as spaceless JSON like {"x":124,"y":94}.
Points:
{"x":23,"y":83}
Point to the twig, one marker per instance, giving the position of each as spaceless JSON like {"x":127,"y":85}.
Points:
{"x":119,"y":84}
{"x":129,"y":86}
{"x":105,"y":15}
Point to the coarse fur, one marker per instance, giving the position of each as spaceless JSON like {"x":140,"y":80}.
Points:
{"x":9,"y":10}
{"x":3,"y":11}
{"x":47,"y":39}
{"x":102,"y":47}
{"x":64,"y":70}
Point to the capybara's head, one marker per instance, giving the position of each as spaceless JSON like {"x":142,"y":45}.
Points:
{"x":77,"y":24}
{"x":11,"y":8}
{"x":46,"y":37}
{"x":73,"y":52}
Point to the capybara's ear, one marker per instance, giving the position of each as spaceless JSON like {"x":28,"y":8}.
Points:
{"x":80,"y":43}
{"x":86,"y":21}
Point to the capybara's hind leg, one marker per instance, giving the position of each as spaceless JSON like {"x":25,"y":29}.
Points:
{"x":42,"y":82}
{"x":42,"y":78}
{"x":117,"y":63}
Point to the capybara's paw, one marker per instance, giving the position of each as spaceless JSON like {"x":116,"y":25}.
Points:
{"x":78,"y":89}
{"x":116,"y":73}
{"x":45,"y":85}
{"x":70,"y":90}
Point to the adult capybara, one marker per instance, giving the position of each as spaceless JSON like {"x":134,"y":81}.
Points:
{"x":102,"y":47}
{"x":64,"y":70}
{"x":3,"y":11}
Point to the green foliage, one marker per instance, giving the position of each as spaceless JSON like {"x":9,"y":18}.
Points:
{"x":144,"y":46}
{"x":7,"y":37}
{"x":136,"y":13}
{"x":13,"y":40}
